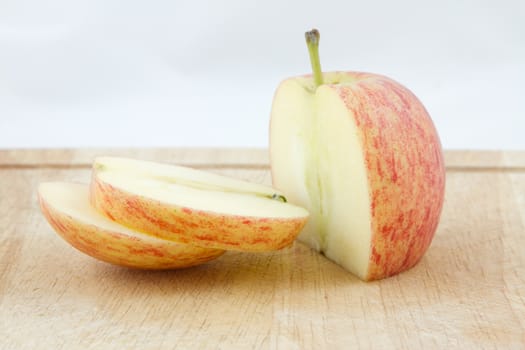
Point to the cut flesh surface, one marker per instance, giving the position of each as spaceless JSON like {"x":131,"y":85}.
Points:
{"x":66,"y":207}
{"x":317,"y":159}
{"x":193,"y":206}
{"x":196,"y":189}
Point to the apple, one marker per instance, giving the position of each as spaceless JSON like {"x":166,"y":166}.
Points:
{"x":361,"y":154}
{"x":66,"y":207}
{"x":192,"y":206}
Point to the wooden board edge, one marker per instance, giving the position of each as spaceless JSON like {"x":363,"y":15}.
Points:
{"x":245,"y":158}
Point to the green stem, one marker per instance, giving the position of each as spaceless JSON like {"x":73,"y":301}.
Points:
{"x":312,"y":41}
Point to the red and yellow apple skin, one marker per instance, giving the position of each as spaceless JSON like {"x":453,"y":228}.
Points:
{"x":120,"y":248}
{"x":189,"y":225}
{"x":403,"y":162}
{"x":406,"y":173}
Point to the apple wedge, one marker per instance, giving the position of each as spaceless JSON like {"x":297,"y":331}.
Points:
{"x":361,"y":154}
{"x":66,"y":207}
{"x":191,"y":206}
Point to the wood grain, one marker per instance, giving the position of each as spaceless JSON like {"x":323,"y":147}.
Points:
{"x":468,"y":292}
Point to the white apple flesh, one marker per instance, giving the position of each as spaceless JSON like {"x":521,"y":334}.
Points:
{"x":66,"y":207}
{"x":192,"y":206}
{"x":361,"y":154}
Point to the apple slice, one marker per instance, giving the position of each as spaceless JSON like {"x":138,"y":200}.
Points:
{"x":66,"y":207}
{"x":192,"y":206}
{"x":361,"y":154}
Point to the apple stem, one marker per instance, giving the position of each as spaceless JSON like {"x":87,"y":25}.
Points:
{"x":312,"y":41}
{"x":279,"y":197}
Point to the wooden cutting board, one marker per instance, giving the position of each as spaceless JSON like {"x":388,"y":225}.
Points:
{"x":468,"y":292}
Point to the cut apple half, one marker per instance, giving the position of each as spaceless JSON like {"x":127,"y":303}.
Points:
{"x":192,"y":206}
{"x":360,"y":152}
{"x":66,"y":207}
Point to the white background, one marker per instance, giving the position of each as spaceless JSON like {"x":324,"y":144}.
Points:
{"x":190,"y":73}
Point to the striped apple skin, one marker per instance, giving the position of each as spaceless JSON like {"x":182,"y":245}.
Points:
{"x":190,"y":225}
{"x":406,"y":173}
